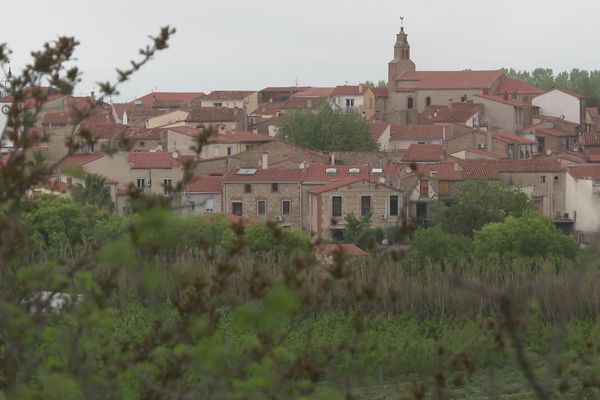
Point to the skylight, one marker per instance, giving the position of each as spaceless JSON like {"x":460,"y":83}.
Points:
{"x":247,"y":171}
{"x":377,"y":171}
{"x":331,"y":171}
{"x":354,"y":170}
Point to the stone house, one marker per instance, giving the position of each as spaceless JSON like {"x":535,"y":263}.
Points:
{"x":242,"y":99}
{"x":402,"y":136}
{"x":330,"y":203}
{"x":264,"y":194}
{"x":221,"y":119}
{"x":467,"y":113}
{"x":357,"y":99}
{"x":278,"y":94}
{"x":592,"y":119}
{"x":168,"y":119}
{"x":500,"y":143}
{"x":553,"y":137}
{"x":517,"y":90}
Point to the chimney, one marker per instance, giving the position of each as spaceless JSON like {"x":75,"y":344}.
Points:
{"x":332,"y":158}
{"x":265,"y":160}
{"x":93,"y":95}
{"x":360,"y":88}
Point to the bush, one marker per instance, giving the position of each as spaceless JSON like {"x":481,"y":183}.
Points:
{"x":435,"y":246}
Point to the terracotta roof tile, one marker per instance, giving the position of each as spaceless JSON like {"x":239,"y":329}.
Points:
{"x":424,"y":153}
{"x":459,"y":112}
{"x":585,"y":171}
{"x":185,"y":130}
{"x":104,"y":130}
{"x":349,"y":90}
{"x":490,"y":169}
{"x":326,"y":173}
{"x":512,"y":137}
{"x":172,"y":97}
{"x":500,"y":99}
{"x":338,"y":184}
{"x":139,"y":133}
{"x":81,"y":159}
{"x":148,"y":159}
{"x":377,"y":129}
{"x":421,"y":131}
{"x":452,"y":79}
{"x":590,"y":139}
{"x":444,"y":171}
{"x":302,"y":102}
{"x":380,"y":91}
{"x":279,"y":175}
{"x":205,"y":184}
{"x":315,"y":92}
{"x":267,"y":109}
{"x":57,"y":118}
{"x":512,"y":85}
{"x":228,"y":94}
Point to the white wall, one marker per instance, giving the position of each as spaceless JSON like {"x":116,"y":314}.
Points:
{"x":404,"y":144}
{"x":556,"y":104}
{"x":580,"y":198}
{"x":3,"y":117}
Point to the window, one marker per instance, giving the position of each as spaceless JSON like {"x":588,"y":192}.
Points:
{"x":541,"y":144}
{"x":410,"y":103}
{"x":349,"y":102}
{"x":236,"y":208}
{"x":443,"y":188}
{"x":217,"y":104}
{"x":365,"y":205}
{"x":511,"y":151}
{"x":142,"y":143}
{"x":229,"y":150}
{"x":556,"y":180}
{"x":192,"y":205}
{"x":274,"y":187}
{"x":247,"y":188}
{"x":393,"y":205}
{"x":218,"y":151}
{"x":285,"y":207}
{"x":337,"y":235}
{"x":543,"y":179}
{"x":167,"y":186}
{"x":141,"y":183}
{"x":427,"y":101}
{"x":336,"y":206}
{"x":261,"y":207}
{"x":424,"y":188}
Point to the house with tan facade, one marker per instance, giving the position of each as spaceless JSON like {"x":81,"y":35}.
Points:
{"x":504,"y":113}
{"x":243,"y":99}
{"x":357,"y":99}
{"x":402,"y":136}
{"x":202,"y":195}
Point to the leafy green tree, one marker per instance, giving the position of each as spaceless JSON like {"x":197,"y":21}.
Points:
{"x":436,"y":246}
{"x":326,"y":129}
{"x":267,"y":237}
{"x":356,"y":227}
{"x":530,"y":235}
{"x":95,"y":192}
{"x":382,"y":84}
{"x":482,"y":202}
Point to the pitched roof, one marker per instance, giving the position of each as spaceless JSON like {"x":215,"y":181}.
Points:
{"x":443,"y":171}
{"x":512,"y":85}
{"x":349,"y":90}
{"x":585,"y":171}
{"x":567,"y":91}
{"x":490,"y":169}
{"x":168,"y":97}
{"x":502,"y":100}
{"x":228,"y":94}
{"x":325,"y":173}
{"x":377,"y":129}
{"x":458,"y":112}
{"x":139,"y":133}
{"x":57,"y":118}
{"x":302,"y":102}
{"x":414,"y":131}
{"x":275,"y":175}
{"x":315,"y":92}
{"x":490,"y":155}
{"x":205,"y":184}
{"x":148,"y":159}
{"x":511,"y":137}
{"x":342,"y":183}
{"x":348,"y":249}
{"x":185,"y":130}
{"x":212,"y":114}
{"x":240,"y":137}
{"x":285,"y":89}
{"x":423,"y":152}
{"x":80,"y":159}
{"x":267,"y":109}
{"x":452,"y":79}
{"x":380,"y":91}
{"x":104,"y":130}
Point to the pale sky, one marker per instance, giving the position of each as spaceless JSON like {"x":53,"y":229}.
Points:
{"x":251,"y":44}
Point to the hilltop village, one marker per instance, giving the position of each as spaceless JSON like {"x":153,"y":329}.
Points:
{"x":434,"y":130}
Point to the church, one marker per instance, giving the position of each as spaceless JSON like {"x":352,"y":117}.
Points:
{"x":411,"y":91}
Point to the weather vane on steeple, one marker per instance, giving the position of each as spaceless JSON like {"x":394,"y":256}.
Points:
{"x":401,"y":22}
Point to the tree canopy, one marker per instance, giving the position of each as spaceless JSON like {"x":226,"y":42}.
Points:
{"x":94,"y":192}
{"x":578,"y":80}
{"x":482,"y":202}
{"x":326,"y":129}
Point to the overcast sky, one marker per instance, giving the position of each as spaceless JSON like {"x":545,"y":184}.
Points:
{"x":251,"y":44}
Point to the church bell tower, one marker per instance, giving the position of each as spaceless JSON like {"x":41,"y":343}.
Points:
{"x":401,"y":62}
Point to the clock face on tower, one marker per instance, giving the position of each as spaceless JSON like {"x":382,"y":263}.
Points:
{"x":5,"y":109}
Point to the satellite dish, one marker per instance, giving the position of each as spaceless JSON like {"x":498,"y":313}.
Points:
{"x":408,"y":169}
{"x":302,"y":166}
{"x":548,"y":152}
{"x":381,"y":180}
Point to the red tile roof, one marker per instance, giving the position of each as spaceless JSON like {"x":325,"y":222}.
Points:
{"x":500,"y":99}
{"x":422,"y":131}
{"x":141,"y":133}
{"x":302,"y":102}
{"x":104,"y":130}
{"x":349,"y":90}
{"x":380,"y":91}
{"x":512,"y":85}
{"x":148,"y":159}
{"x":444,"y":171}
{"x":585,"y":171}
{"x":569,"y":92}
{"x":267,"y":109}
{"x":228,"y":94}
{"x":513,"y":138}
{"x":490,"y":169}
{"x":593,"y":112}
{"x":80,"y":159}
{"x":279,"y":175}
{"x":244,"y":137}
{"x":319,"y":173}
{"x":452,"y":79}
{"x":459,"y":112}
{"x":348,"y":249}
{"x":57,"y":118}
{"x":185,"y":130}
{"x":377,"y":129}
{"x":423,"y":153}
{"x":340,"y":183}
{"x":212,"y":114}
{"x":315,"y":92}
{"x":490,"y":155}
{"x":169,"y":97}
{"x":205,"y":184}
{"x":285,"y":89}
